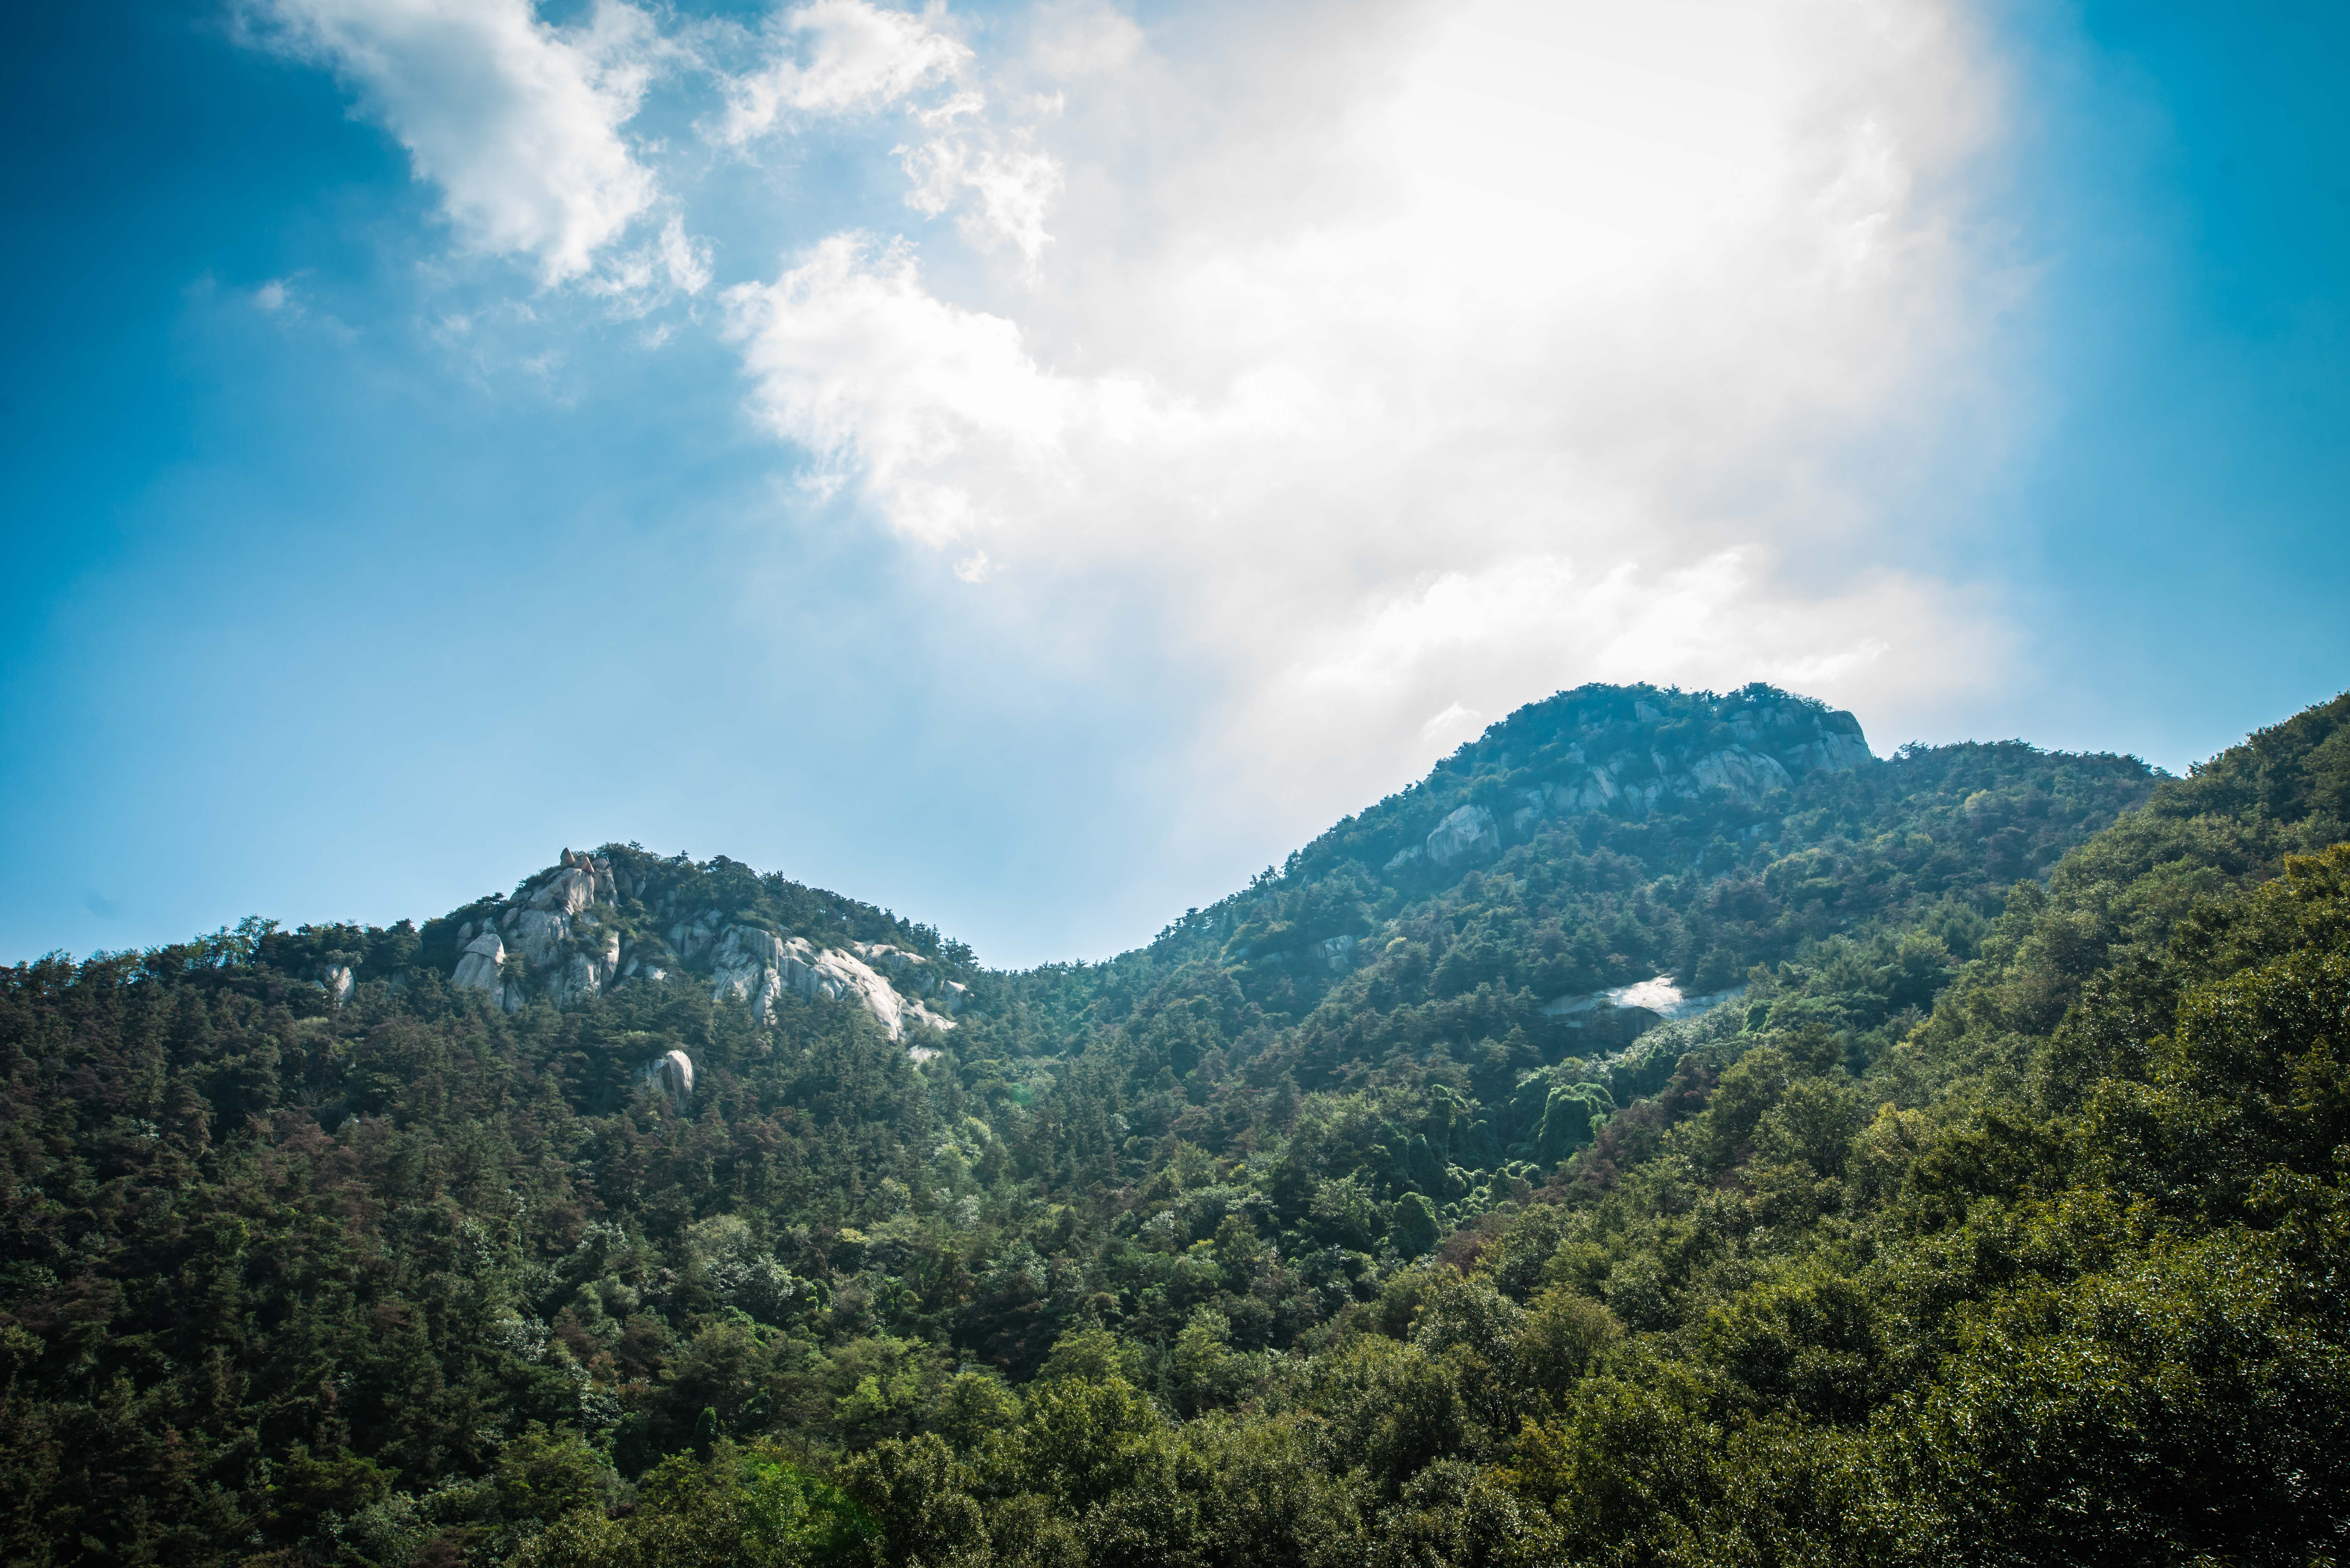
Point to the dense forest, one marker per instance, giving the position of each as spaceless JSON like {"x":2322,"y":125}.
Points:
{"x":1987,"y":1202}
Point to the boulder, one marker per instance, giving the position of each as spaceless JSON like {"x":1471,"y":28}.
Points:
{"x":673,"y":1074}
{"x":482,"y":964}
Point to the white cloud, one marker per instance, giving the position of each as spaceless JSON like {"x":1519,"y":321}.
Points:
{"x":932,"y":408}
{"x":1404,"y":360}
{"x":638,"y":280}
{"x":684,"y":260}
{"x":837,"y":58}
{"x":517,"y":121}
{"x":844,"y":58}
{"x":1441,"y":356}
{"x":1422,"y":359}
{"x":1016,"y":185}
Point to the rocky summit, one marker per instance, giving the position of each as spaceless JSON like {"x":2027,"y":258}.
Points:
{"x":583,"y":926}
{"x":1626,"y":755}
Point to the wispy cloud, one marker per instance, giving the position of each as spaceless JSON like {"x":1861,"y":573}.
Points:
{"x":518,"y":123}
{"x":836,"y":57}
{"x":1005,"y":186}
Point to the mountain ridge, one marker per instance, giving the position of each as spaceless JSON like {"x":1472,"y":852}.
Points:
{"x":600,"y":918}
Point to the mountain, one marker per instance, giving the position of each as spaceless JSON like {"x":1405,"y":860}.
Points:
{"x":1668,"y":1132}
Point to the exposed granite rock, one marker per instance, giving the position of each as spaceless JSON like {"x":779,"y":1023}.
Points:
{"x":339,"y":982}
{"x":1468,"y":834}
{"x":673,"y":1074}
{"x":544,"y":923}
{"x":479,"y":965}
{"x":579,"y":880}
{"x":567,"y":927}
{"x":913,"y":974}
{"x":538,"y":934}
{"x":760,"y":968}
{"x":583,"y":975}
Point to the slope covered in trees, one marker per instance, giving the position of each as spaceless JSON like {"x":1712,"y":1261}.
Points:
{"x":1996,"y":1217}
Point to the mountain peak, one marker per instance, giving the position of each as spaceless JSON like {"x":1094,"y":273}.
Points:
{"x":592,"y":922}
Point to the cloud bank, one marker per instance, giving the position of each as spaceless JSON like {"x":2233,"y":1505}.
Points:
{"x":1482,"y":351}
{"x":1406,"y":362}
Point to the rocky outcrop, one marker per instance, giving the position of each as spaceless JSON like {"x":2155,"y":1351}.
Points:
{"x":339,"y":982}
{"x":1636,"y":758}
{"x":550,"y":917}
{"x":1469,"y":834}
{"x":482,"y":967}
{"x":582,"y":975}
{"x":479,"y":965}
{"x":760,"y":968}
{"x":671,"y":1074}
{"x":916,"y":976}
{"x":571,"y":932}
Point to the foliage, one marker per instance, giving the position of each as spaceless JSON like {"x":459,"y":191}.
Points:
{"x":1997,"y":1218}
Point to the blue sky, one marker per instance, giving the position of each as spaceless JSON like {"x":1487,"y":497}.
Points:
{"x":1030,"y":466}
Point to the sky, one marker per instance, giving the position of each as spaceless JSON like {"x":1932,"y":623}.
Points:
{"x":1031,"y":465}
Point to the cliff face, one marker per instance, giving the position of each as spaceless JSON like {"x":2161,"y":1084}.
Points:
{"x":585,"y":926}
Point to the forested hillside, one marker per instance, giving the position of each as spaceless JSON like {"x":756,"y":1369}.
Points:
{"x":1971,"y":1189}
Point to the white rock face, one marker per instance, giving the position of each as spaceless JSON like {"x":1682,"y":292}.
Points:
{"x":914,"y":975}
{"x":1837,"y":753}
{"x":538,"y":934}
{"x":1338,"y":952}
{"x":1468,"y":832}
{"x":339,"y":984}
{"x":693,"y":938}
{"x":542,"y":922}
{"x":1749,"y":775}
{"x":563,"y":925}
{"x":478,"y":966}
{"x":579,"y":880}
{"x":673,"y":1074}
{"x":760,"y":968}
